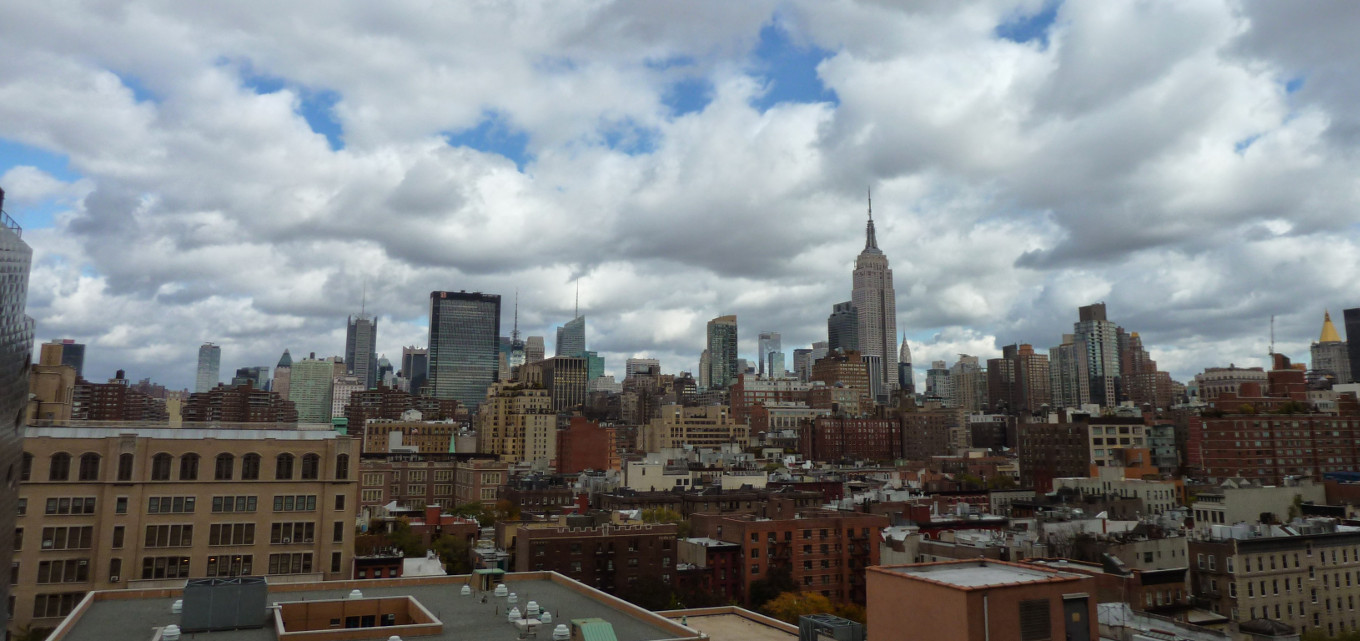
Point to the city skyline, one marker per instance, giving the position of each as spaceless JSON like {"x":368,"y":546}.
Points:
{"x":735,"y":159}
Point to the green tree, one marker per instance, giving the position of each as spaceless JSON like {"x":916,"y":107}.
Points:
{"x":455,"y":552}
{"x":399,"y":534}
{"x":776,"y":582}
{"x":1000,"y":482}
{"x":788,"y":606}
{"x":667,"y":515}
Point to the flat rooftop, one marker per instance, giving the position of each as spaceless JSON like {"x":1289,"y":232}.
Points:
{"x":280,"y":431}
{"x":980,"y":574}
{"x":126,"y":615}
{"x":731,"y":623}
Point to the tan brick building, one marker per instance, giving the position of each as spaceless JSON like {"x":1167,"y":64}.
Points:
{"x":517,"y":423}
{"x":417,"y":480}
{"x":106,"y":508}
{"x":708,"y":426}
{"x":51,"y":386}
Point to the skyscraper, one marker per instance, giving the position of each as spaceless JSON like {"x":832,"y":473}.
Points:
{"x":634,"y":366}
{"x":361,"y":349}
{"x":1352,"y":319}
{"x":906,"y":379}
{"x":73,"y":354}
{"x":1068,"y":382}
{"x":774,"y":365}
{"x":209,"y":367}
{"x":722,"y":352}
{"x":310,"y":388}
{"x":842,"y":328}
{"x":415,"y":367}
{"x":768,"y":343}
{"x":16,"y":352}
{"x":534,"y":350}
{"x":283,"y":373}
{"x":571,"y":338}
{"x":876,"y":306}
{"x":1329,"y":354}
{"x":1097,"y":341}
{"x":802,"y":363}
{"x":464,"y":332}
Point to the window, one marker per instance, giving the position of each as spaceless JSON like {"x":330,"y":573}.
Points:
{"x":237,"y":503}
{"x":292,"y":532}
{"x":1035,"y":624}
{"x":171,"y":504}
{"x":188,"y":467}
{"x":295,"y":503}
{"x":283,"y":468}
{"x":230,"y":565}
{"x":59,"y":467}
{"x":125,"y":467}
{"x":342,"y":467}
{"x":1228,"y":563}
{"x":169,"y":536}
{"x":47,"y":606}
{"x":115,"y":570}
{"x":311,"y":467}
{"x":18,"y":539}
{"x":231,"y":534}
{"x":89,"y":467}
{"x":26,"y":471}
{"x":755,"y":568}
{"x":120,"y":505}
{"x":338,"y":535}
{"x":295,"y":563}
{"x":118,"y":536}
{"x":67,"y":538}
{"x":224,"y":467}
{"x":373,"y":479}
{"x":65,"y":571}
{"x":1211,"y":561}
{"x":165,"y":567}
{"x":160,"y":467}
{"x":339,"y":502}
{"x":1200,"y":561}
{"x":70,"y":505}
{"x":335,"y":561}
{"x":250,"y":467}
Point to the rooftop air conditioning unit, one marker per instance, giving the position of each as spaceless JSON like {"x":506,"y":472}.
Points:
{"x":287,"y":540}
{"x":115,"y":578}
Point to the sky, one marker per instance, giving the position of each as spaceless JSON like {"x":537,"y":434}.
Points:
{"x":242,"y":172}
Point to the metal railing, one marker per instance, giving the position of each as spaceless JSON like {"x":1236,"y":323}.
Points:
{"x":9,"y":223}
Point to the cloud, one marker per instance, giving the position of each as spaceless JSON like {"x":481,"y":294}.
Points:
{"x":243,"y":173}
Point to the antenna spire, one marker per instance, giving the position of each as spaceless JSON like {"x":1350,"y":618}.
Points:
{"x":514,"y":333}
{"x":1272,"y":335}
{"x":870,"y":240}
{"x":870,"y":191}
{"x":578,"y":299}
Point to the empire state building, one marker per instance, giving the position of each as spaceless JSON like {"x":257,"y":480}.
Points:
{"x":876,"y":305}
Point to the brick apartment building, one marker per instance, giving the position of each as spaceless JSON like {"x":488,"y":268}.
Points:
{"x":826,"y":551}
{"x":238,"y":404}
{"x":934,"y":431}
{"x":108,"y":508}
{"x":829,"y":438}
{"x":417,"y":480}
{"x":607,"y":557}
{"x":763,"y":502}
{"x":585,"y":445}
{"x":1081,"y":447}
{"x":390,"y":403}
{"x":114,"y":401}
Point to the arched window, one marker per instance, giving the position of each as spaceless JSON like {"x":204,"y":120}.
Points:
{"x":26,"y":472}
{"x":89,"y":467}
{"x":125,"y":467}
{"x":250,"y":467}
{"x":59,"y":469}
{"x":224,"y":468}
{"x":160,"y":467}
{"x":188,"y":467}
{"x":342,"y":466}
{"x":283,"y":467}
{"x":311,"y":467}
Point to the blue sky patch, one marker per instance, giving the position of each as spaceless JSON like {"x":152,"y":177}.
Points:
{"x":1293,"y":85}
{"x":38,"y":215}
{"x":789,"y":70}
{"x":316,"y":106}
{"x":688,"y":96}
{"x":494,"y":135}
{"x":139,"y":90}
{"x":629,"y":137}
{"x":1242,"y":145}
{"x":1023,"y":28}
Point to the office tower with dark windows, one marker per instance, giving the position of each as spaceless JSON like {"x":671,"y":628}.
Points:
{"x":768,"y":343}
{"x":1097,"y":341}
{"x":465,"y":329}
{"x":73,"y":354}
{"x":722,"y":352}
{"x":16,"y":352}
{"x":361,"y":349}
{"x":1351,"y":317}
{"x":842,"y":328}
{"x":906,"y":379}
{"x":571,"y":338}
{"x":415,"y":367}
{"x":209,"y":367}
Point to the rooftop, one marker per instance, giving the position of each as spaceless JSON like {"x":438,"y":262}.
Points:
{"x":971,"y":574}
{"x":731,"y":623}
{"x":134,"y":615}
{"x":226,"y":431}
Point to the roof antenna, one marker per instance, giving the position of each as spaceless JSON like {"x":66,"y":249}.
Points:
{"x":578,"y":298}
{"x":870,"y":190}
{"x":1272,"y":334}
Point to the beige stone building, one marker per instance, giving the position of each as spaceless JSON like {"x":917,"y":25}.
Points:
{"x":104,"y":508}
{"x":518,"y":424}
{"x":50,"y":387}
{"x":708,"y":426}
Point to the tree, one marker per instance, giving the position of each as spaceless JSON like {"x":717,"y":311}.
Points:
{"x":1000,"y":482}
{"x":778,"y":581}
{"x":649,"y":592}
{"x":787,"y":607}
{"x":401,"y":536}
{"x":667,"y":515}
{"x":506,"y":511}
{"x":455,"y":553}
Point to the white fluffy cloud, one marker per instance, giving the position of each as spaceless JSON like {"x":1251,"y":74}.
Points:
{"x":1192,"y":164}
